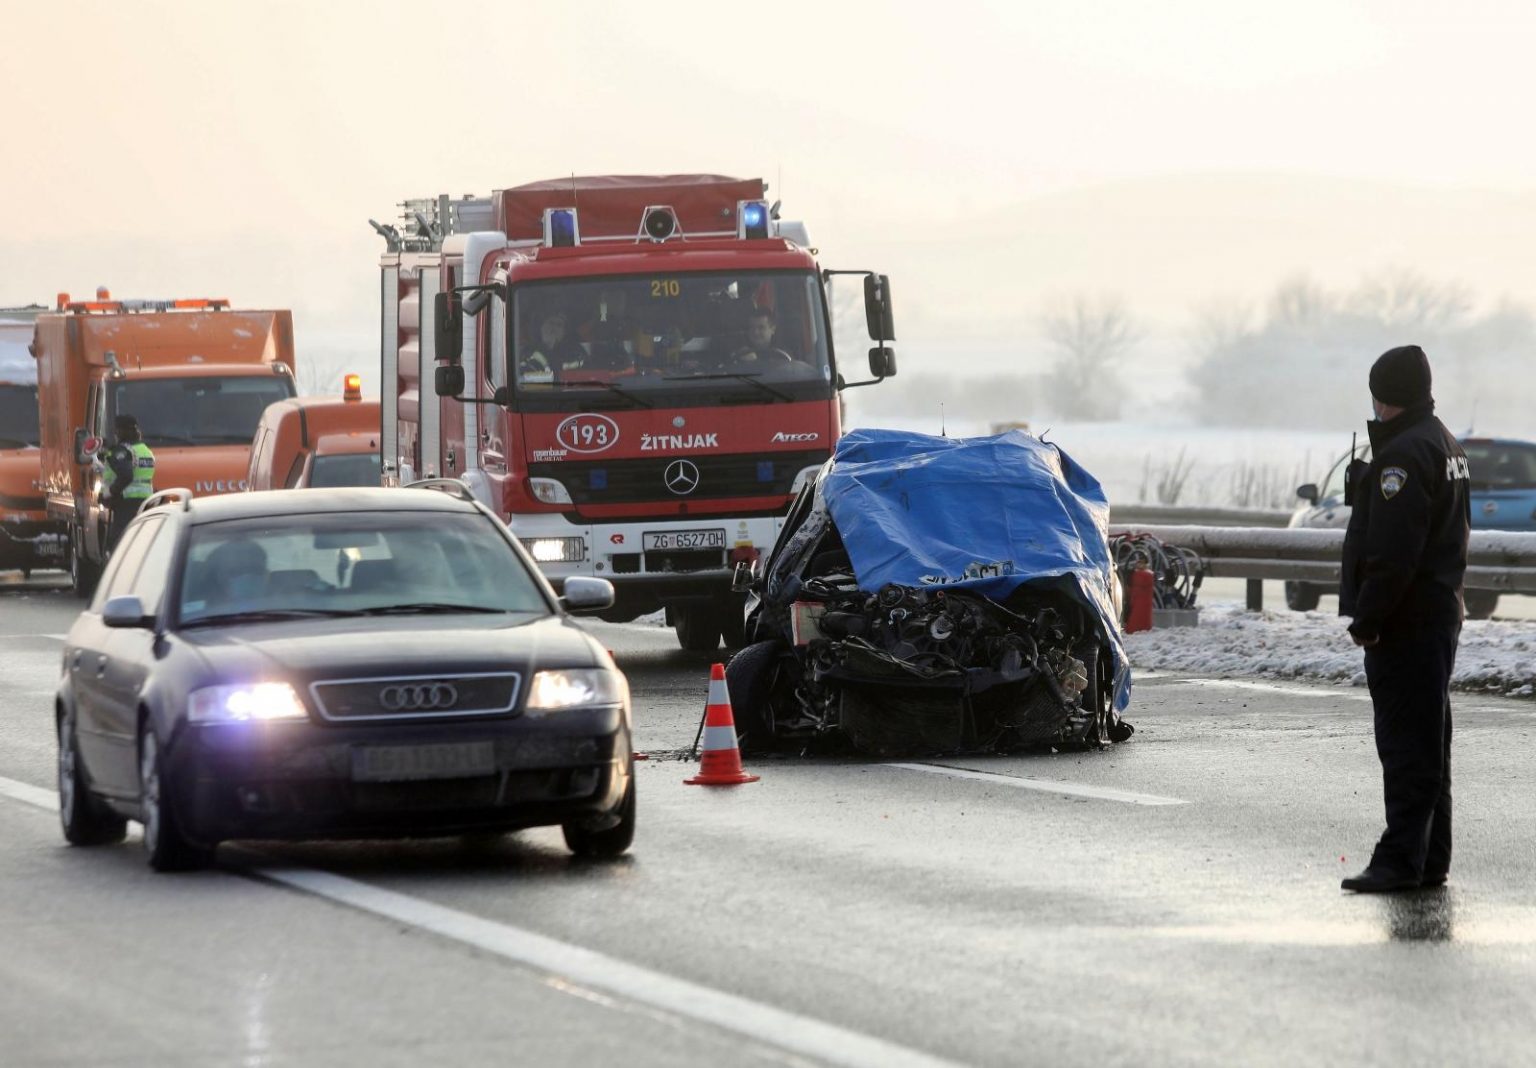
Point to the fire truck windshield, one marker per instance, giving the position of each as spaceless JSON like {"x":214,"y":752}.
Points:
{"x":18,"y":415}
{"x":669,"y":339}
{"x":210,"y":410}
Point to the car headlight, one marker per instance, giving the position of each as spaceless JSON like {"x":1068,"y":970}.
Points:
{"x":241,"y":704}
{"x":556,"y":691}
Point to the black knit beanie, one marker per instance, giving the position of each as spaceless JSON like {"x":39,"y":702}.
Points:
{"x":1400,"y":377}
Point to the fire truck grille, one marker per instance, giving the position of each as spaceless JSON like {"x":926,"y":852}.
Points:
{"x":686,"y":478}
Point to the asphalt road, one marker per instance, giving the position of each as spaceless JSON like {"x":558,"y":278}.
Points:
{"x":1174,"y":900}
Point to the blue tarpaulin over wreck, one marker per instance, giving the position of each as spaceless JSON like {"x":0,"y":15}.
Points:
{"x":985,"y":514}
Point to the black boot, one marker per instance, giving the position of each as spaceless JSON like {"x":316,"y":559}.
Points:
{"x":1374,"y":880}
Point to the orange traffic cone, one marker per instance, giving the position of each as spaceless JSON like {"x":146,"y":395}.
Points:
{"x":720,"y":760}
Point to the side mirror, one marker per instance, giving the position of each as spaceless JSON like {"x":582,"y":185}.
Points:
{"x":125,"y":611}
{"x":877,"y":307}
{"x":583,"y":594}
{"x":882,"y":362}
{"x":448,"y":379}
{"x":1308,"y":492}
{"x":448,"y":325}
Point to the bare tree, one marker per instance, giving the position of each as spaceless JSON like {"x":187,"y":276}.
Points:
{"x":1404,"y":299}
{"x":1091,"y":335}
{"x":314,"y":376}
{"x":1219,"y":322}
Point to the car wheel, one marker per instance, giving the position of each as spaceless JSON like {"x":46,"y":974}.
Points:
{"x":751,"y":678}
{"x":83,"y":573}
{"x":165,"y":845}
{"x":1480,"y":603}
{"x":1302,"y":596}
{"x":698,"y":627}
{"x":610,"y":841}
{"x":85,"y":820}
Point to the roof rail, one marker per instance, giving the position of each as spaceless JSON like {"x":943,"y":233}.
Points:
{"x":454,"y":487}
{"x":166,"y":496}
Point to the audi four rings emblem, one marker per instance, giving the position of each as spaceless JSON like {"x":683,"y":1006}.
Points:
{"x":418,"y":697}
{"x":681,"y":477}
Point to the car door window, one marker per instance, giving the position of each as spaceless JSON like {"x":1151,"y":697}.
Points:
{"x":133,"y":558}
{"x":112,"y":582}
{"x":148,"y":585}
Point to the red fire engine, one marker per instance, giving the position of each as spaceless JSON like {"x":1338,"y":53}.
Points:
{"x":637,"y":373}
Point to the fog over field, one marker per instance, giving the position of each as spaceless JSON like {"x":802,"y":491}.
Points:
{"x":1120,"y":220}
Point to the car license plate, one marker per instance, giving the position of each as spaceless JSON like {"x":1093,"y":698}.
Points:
{"x":683,"y":539}
{"x":393,"y":763}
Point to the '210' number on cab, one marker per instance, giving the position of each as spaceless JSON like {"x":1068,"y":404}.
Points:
{"x":587,"y":432}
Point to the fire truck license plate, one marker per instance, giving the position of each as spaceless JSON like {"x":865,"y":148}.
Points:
{"x":683,"y":539}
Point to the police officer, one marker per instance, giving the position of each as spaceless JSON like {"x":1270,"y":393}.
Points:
{"x":1405,"y":554}
{"x":129,"y":477}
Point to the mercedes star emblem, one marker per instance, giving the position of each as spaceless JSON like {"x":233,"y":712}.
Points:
{"x":681,"y":477}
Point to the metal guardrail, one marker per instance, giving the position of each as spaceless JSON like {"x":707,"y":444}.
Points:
{"x":1496,"y":559}
{"x":1197,"y":516}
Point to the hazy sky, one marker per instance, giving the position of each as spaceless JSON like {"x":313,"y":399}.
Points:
{"x":988,"y":155}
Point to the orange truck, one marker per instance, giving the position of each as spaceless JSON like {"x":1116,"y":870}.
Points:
{"x":317,"y":442}
{"x":197,"y":376}
{"x":28,"y":538}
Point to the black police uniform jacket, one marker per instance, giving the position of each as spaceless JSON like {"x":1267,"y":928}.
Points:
{"x":1405,"y":552}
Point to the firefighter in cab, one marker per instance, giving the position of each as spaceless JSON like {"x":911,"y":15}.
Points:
{"x":129,"y":477}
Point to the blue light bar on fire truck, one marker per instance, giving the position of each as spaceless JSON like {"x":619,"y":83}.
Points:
{"x":751,"y":219}
{"x":560,"y":228}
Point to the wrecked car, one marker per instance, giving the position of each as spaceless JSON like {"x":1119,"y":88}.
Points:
{"x":935,"y":595}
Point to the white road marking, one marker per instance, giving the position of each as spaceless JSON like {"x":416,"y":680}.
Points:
{"x":1046,"y":786}
{"x":29,"y":794}
{"x":1270,"y":687}
{"x":564,"y":961}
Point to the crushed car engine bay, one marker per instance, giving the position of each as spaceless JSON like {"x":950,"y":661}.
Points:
{"x":936,"y":595}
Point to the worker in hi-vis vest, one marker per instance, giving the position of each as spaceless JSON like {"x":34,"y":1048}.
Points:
{"x":129,"y":477}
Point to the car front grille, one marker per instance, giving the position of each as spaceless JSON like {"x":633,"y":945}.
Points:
{"x":711,"y":477}
{"x":395,"y":698}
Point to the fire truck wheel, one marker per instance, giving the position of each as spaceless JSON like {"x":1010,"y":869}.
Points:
{"x":733,"y":621}
{"x":83,"y":573}
{"x":698,"y":626}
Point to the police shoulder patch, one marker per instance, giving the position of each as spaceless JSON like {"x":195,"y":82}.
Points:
{"x":1392,"y":480}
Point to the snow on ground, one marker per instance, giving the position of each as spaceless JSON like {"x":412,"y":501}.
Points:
{"x":1495,"y":656}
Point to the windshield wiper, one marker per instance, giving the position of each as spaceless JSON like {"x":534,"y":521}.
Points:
{"x":178,"y":439}
{"x":13,"y":443}
{"x":626,"y":394}
{"x":268,"y":615}
{"x":749,"y":379}
{"x":426,"y":608}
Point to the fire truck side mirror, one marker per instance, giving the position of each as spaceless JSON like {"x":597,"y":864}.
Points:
{"x":448,"y":379}
{"x":448,"y":325}
{"x":877,"y":307}
{"x":882,"y":362}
